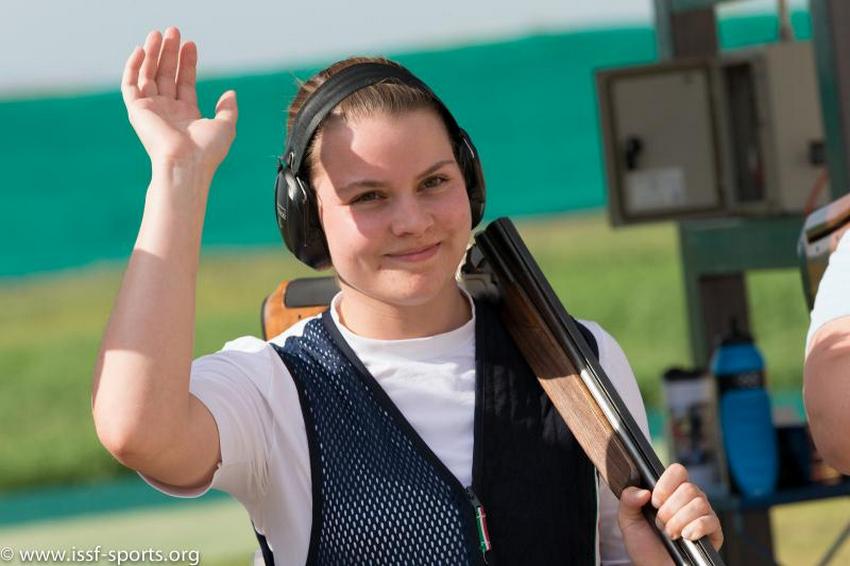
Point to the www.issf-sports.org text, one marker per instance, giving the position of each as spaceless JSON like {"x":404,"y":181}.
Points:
{"x":98,"y":554}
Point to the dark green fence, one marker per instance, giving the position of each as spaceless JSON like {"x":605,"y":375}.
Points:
{"x":74,"y":176}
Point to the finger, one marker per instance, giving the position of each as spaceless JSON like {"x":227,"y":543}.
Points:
{"x":226,"y":108}
{"x":632,"y":499}
{"x":130,"y":78}
{"x":705,"y":526}
{"x":167,"y":67}
{"x":685,"y":515}
{"x":673,"y":477}
{"x":681,"y":496}
{"x":147,"y":74}
{"x":186,"y":72}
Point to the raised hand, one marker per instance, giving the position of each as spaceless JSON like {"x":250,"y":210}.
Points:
{"x":158,"y":87}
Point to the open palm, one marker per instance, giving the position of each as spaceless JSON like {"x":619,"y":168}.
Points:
{"x":158,"y":87}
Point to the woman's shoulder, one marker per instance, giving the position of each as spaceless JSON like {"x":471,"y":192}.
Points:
{"x":248,"y":346}
{"x":606,"y":344}
{"x":613,"y":360}
{"x":247,"y":358}
{"x":611,"y":355}
{"x":294,"y":331}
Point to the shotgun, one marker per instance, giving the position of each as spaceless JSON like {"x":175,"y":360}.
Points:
{"x":499,"y":267}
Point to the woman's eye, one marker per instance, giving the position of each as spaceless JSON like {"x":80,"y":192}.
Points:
{"x":366,"y":197}
{"x":434,"y":181}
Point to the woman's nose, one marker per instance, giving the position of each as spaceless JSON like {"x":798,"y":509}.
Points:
{"x":411,"y":216}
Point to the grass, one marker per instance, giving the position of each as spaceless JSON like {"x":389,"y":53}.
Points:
{"x":628,"y":280}
{"x":803,"y":532}
{"x":220,"y":532}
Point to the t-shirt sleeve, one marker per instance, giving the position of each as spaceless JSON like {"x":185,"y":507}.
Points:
{"x":233,"y":384}
{"x":833,"y":298}
{"x":613,"y":361}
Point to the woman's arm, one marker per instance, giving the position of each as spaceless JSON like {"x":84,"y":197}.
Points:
{"x":826,"y":375}
{"x":143,"y":412}
{"x":826,"y":392}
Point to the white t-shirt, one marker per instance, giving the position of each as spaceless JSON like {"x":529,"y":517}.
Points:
{"x":265,"y":462}
{"x":833,"y":298}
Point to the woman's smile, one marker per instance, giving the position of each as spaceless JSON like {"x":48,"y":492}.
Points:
{"x":416,"y":254}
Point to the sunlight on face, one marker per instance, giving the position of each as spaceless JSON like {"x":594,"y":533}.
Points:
{"x":393,"y":204}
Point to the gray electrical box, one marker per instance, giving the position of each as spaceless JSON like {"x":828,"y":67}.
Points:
{"x":712,"y":137}
{"x":661,"y":142}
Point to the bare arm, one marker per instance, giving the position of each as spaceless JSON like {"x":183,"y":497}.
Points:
{"x":143,"y":412}
{"x":826,"y":374}
{"x":826,"y":391}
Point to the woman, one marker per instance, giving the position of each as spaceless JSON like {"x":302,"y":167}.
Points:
{"x":349,"y":438}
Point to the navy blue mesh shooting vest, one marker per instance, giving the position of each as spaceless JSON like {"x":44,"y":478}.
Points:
{"x":381,"y":496}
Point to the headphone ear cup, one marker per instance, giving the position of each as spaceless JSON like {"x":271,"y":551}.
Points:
{"x":288,"y":206}
{"x":298,"y":220}
{"x":473,"y":174}
{"x":281,"y":204}
{"x":316,"y":252}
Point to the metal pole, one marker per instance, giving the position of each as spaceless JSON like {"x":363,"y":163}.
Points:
{"x":831,"y":39}
{"x":786,"y":32}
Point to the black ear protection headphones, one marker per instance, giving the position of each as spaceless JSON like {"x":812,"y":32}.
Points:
{"x":295,"y":201}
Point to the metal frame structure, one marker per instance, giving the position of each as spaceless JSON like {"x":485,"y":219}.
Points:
{"x":716,"y":253}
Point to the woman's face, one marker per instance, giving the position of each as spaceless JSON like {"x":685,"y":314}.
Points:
{"x":393,"y":204}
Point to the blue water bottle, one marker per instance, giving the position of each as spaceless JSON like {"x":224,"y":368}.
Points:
{"x":749,"y":437}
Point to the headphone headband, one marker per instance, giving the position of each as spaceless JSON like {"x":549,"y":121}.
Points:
{"x":336,"y":89}
{"x":295,"y":205}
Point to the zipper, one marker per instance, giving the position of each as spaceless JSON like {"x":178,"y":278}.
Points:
{"x":480,"y":523}
{"x":478,"y":441}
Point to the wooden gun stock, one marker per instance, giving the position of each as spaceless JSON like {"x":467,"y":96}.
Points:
{"x":569,"y":372}
{"x":564,"y":386}
{"x":294,"y":300}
